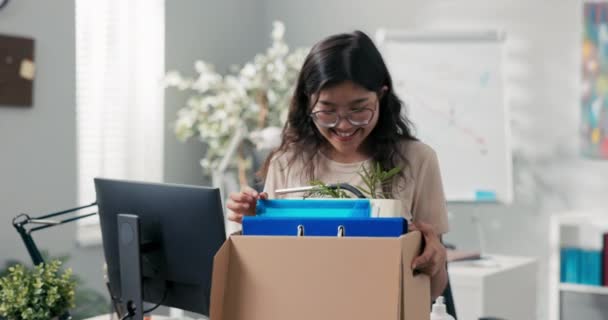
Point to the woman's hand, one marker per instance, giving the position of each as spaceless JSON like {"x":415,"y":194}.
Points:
{"x":243,"y":203}
{"x":434,"y":256}
{"x":433,"y":259}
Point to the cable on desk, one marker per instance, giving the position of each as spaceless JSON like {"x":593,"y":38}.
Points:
{"x":161,"y":302}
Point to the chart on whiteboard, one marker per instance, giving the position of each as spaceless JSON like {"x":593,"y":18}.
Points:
{"x":453,"y":94}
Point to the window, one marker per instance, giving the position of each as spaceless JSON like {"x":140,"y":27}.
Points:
{"x":120,"y":114}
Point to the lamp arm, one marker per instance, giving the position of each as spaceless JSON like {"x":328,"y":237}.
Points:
{"x":27,"y":239}
{"x":22,"y":220}
{"x":59,"y":213}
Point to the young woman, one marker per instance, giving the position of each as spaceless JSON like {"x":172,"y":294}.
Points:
{"x":345,"y":114}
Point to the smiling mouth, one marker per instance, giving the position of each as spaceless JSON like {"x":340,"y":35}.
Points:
{"x":344,"y":136}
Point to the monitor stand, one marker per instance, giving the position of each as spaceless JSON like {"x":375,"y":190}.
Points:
{"x":130,"y":265}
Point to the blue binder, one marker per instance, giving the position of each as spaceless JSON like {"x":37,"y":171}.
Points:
{"x":570,"y":269}
{"x":348,"y":227}
{"x":591,"y":267}
{"x":314,"y":208}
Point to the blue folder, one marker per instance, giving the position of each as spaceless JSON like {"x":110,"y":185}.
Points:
{"x":352,"y":227}
{"x":570,"y":265}
{"x":591,"y":267}
{"x":314,"y":208}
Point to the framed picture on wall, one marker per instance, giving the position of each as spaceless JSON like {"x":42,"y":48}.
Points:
{"x":594,"y":102}
{"x":17,"y":70}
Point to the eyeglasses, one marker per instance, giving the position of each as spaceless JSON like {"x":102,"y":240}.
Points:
{"x":329,"y":119}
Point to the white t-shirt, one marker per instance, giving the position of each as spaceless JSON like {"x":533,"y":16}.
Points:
{"x":420,"y":192}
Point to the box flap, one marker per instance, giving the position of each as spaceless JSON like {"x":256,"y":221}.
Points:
{"x":416,"y":289}
{"x":309,"y":278}
{"x":218,"y":280}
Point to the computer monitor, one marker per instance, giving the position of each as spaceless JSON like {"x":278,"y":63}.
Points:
{"x":179,"y":228}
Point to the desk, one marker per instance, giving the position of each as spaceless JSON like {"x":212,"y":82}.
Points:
{"x":500,"y":286}
{"x":108,"y":317}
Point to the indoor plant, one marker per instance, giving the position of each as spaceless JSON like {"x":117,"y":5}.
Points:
{"x":42,"y":293}
{"x":89,"y":302}
{"x":252,"y":101}
{"x":374,"y":180}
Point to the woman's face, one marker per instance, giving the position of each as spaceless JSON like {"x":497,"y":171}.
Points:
{"x":346,"y":114}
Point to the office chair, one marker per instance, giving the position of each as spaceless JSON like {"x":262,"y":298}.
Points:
{"x":448,"y":299}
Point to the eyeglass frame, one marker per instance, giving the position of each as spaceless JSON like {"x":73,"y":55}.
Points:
{"x":312,"y":115}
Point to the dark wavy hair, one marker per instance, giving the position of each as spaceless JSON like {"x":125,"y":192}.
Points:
{"x":338,"y":58}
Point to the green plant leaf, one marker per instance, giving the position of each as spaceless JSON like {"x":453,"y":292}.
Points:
{"x":374,"y":178}
{"x":37,"y":294}
{"x":322,"y":190}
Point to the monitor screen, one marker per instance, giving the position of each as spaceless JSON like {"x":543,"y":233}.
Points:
{"x":182,"y":228}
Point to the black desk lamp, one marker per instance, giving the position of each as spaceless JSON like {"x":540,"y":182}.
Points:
{"x":21,"y":221}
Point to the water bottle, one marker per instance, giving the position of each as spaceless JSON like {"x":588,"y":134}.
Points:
{"x":439,"y":311}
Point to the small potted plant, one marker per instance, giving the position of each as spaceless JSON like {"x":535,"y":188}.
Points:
{"x":43,"y":293}
{"x":374,"y":180}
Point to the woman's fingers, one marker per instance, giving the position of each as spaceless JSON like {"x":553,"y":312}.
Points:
{"x":243,"y":203}
{"x":424,"y":260}
{"x":241,"y":197}
{"x":237,"y":206}
{"x":236,"y":217}
{"x":250,"y":192}
{"x":412,"y":227}
{"x":430,"y":261}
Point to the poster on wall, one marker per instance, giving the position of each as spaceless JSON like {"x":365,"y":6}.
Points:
{"x":16,"y":71}
{"x":594,"y":104}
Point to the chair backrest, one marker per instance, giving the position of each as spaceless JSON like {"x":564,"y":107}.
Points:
{"x":448,"y":299}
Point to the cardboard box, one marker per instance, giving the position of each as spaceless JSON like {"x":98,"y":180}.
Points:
{"x":317,"y":278}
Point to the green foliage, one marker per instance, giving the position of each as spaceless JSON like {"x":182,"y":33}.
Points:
{"x":321,"y":190}
{"x":4,"y":271}
{"x":89,"y":303}
{"x":38,"y":294}
{"x":375,"y":180}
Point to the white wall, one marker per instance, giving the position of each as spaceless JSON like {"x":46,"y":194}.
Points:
{"x":308,"y":22}
{"x":38,"y":143}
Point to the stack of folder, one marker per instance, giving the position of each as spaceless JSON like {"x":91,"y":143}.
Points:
{"x":321,"y":217}
{"x":584,"y":256}
{"x":605,"y":259}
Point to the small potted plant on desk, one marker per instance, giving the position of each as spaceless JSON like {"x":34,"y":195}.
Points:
{"x":42,"y":293}
{"x":375,"y":179}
